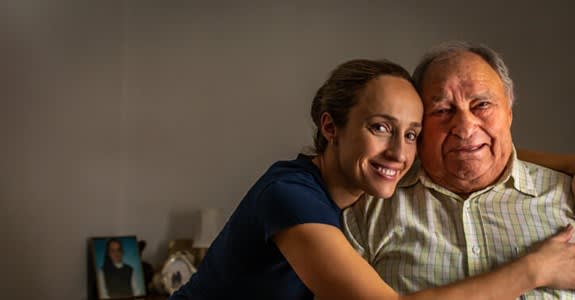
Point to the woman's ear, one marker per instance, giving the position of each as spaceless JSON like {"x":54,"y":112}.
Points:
{"x":328,"y":128}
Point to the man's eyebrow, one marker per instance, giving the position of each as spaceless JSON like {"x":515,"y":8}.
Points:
{"x":482,"y":95}
{"x":440,"y":98}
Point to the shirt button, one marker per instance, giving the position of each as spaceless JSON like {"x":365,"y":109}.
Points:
{"x":476,"y":250}
{"x":466,"y":205}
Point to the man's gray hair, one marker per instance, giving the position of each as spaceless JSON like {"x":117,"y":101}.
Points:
{"x":492,"y":58}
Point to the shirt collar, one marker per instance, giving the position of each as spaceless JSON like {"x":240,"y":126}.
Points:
{"x":516,"y":175}
{"x":119,"y":265}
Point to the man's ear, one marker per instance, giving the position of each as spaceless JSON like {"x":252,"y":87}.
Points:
{"x":328,"y":128}
{"x":510,"y":116}
{"x":510,"y":112}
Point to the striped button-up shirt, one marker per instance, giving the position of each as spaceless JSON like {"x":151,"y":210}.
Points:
{"x":426,"y":236}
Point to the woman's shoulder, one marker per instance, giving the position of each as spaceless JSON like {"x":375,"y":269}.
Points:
{"x":296,"y":185}
{"x":298,"y":171}
{"x":289,"y":187}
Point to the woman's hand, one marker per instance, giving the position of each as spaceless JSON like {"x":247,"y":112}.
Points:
{"x":552,"y":261}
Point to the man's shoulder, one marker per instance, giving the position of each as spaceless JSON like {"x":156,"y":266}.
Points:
{"x":544,"y":178}
{"x":540,"y":171}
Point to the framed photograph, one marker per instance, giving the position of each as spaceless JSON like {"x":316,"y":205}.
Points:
{"x":177,"y":270}
{"x":117,"y":267}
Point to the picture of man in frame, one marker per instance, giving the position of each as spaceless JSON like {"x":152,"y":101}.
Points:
{"x":118,"y":267}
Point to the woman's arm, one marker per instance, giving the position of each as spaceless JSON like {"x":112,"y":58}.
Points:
{"x":560,"y":162}
{"x":537,"y":269}
{"x":329,"y":266}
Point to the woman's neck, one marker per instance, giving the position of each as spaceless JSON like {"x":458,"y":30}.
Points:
{"x":339,"y":188}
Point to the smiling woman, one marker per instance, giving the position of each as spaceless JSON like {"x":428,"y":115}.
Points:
{"x":284,"y":240}
{"x":377,"y":144}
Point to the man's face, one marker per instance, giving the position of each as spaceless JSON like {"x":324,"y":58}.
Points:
{"x":466,"y":138}
{"x":115,"y":252}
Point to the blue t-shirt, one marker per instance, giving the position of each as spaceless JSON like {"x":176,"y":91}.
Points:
{"x":243,"y":262}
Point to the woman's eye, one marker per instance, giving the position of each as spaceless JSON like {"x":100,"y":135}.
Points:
{"x":379,"y":128}
{"x":411,"y":136}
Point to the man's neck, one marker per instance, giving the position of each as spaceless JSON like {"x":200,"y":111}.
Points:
{"x":464,"y":187}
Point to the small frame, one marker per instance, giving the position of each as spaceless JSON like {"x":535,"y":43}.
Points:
{"x":177,"y":270}
{"x":117,"y":267}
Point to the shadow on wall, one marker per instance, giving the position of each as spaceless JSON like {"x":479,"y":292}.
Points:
{"x":202,"y":226}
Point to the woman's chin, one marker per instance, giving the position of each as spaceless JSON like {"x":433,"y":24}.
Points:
{"x":380,"y":186}
{"x":385,"y":193}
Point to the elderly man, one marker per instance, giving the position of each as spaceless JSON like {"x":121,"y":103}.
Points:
{"x":471,"y":205}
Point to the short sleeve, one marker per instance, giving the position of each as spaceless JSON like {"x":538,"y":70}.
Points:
{"x":359,"y":225}
{"x":351,"y":219}
{"x":283,"y":204}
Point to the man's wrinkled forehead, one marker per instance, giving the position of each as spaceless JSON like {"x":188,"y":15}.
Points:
{"x":467,"y":70}
{"x":451,"y":56}
{"x":448,"y":63}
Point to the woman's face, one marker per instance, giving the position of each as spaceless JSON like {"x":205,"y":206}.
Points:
{"x":115,"y":252}
{"x":377,"y":146}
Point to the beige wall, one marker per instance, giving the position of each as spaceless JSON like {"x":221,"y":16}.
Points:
{"x":127,"y":117}
{"x":60,"y":116}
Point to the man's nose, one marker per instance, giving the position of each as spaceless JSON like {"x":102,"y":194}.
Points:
{"x":463,"y":124}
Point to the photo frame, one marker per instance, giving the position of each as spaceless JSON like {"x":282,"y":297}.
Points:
{"x":117,"y":267}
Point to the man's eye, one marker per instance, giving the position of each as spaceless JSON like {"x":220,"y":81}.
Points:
{"x":483,"y":104}
{"x":441,"y":111}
